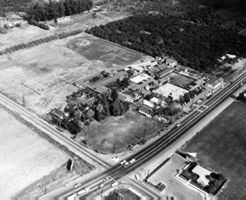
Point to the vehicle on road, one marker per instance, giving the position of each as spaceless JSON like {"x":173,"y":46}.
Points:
{"x":77,"y":185}
{"x":115,"y":184}
{"x":107,"y":178}
{"x":83,"y":191}
{"x":178,"y":125}
{"x":126,"y":164}
{"x":123,"y":162}
{"x":132,"y":160}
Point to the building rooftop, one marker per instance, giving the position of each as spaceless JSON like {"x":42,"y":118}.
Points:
{"x":202,"y":173}
{"x":139,"y":78}
{"x":174,"y":90}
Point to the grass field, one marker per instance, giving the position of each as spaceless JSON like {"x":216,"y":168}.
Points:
{"x":222,"y":146}
{"x":25,"y":157}
{"x":114,"y":134}
{"x":41,"y":77}
{"x":180,"y":80}
{"x":97,"y":49}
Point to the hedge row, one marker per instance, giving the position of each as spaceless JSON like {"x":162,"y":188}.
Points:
{"x":40,"y":41}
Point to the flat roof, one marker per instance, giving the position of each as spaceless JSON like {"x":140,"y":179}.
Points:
{"x":139,"y":78}
{"x":169,"y":88}
{"x":202,"y":173}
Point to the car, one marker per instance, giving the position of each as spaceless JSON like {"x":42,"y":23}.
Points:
{"x":126,"y":164}
{"x":178,"y":125}
{"x":123,"y":162}
{"x":77,"y":185}
{"x":132,"y":160}
{"x":107,"y":178}
{"x":83,"y":191}
{"x":115,"y":184}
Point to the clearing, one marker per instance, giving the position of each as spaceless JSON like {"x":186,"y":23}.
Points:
{"x":221,"y":146}
{"x":117,"y":133}
{"x":41,"y":77}
{"x":25,"y":156}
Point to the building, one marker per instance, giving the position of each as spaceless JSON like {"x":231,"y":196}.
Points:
{"x":215,"y":84}
{"x":148,"y":103}
{"x":147,"y":111}
{"x":57,"y":116}
{"x":164,"y":72}
{"x":140,"y":78}
{"x":171,"y":62}
{"x":169,"y":89}
{"x":202,"y":174}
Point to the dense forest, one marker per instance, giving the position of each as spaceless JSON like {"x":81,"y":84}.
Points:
{"x":195,"y":45}
{"x":40,"y":11}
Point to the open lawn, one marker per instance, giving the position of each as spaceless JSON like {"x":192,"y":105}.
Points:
{"x":115,"y":134}
{"x":25,"y":157}
{"x":94,"y":48}
{"x":222,"y":146}
{"x":41,"y":77}
{"x":180,"y":80}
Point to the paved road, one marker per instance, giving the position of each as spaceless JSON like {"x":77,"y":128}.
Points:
{"x":118,"y":171}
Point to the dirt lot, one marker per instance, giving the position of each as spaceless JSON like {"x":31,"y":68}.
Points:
{"x":116,"y":133}
{"x":41,"y":77}
{"x":166,"y":175}
{"x":25,"y":156}
{"x":221,"y":146}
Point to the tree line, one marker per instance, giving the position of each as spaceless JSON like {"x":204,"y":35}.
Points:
{"x":193,"y":45}
{"x":42,"y":11}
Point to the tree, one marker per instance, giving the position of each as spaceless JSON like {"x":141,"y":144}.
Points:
{"x":114,"y":94}
{"x":181,"y":100}
{"x":187,"y":97}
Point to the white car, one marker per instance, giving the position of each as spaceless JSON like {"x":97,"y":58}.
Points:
{"x":77,"y":185}
{"x":126,"y":164}
{"x":83,"y":191}
{"x":132,"y":160}
{"x":178,"y":125}
{"x":123,"y":162}
{"x":115,"y":184}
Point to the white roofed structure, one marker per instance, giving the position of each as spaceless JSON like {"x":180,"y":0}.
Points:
{"x":174,"y":90}
{"x":202,"y":173}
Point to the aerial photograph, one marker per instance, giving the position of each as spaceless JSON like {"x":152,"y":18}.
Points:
{"x":123,"y":99}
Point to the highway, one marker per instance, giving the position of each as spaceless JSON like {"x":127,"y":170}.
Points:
{"x":118,"y":171}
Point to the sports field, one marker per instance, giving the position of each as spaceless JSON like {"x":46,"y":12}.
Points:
{"x":222,"y":146}
{"x":180,"y":80}
{"x":94,"y":48}
{"x":115,"y":134}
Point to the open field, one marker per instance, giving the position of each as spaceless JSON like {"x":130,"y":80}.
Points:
{"x":28,"y":33}
{"x":41,"y":77}
{"x":25,"y":156}
{"x":221,"y":146}
{"x":180,"y":80}
{"x":166,"y":175}
{"x":116,"y":133}
{"x":97,"y":49}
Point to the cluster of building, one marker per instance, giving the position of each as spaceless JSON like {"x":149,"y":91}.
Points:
{"x":148,"y":86}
